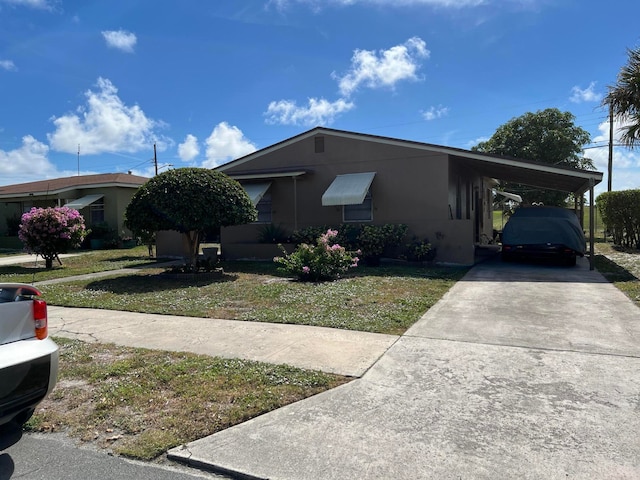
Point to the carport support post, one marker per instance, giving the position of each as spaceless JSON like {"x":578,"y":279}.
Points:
{"x":592,"y":221}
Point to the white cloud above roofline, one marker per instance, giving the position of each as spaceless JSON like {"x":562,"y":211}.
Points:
{"x":106,"y":124}
{"x":120,"y":40}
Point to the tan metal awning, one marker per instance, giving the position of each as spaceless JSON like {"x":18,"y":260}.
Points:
{"x":84,"y":201}
{"x":349,"y":189}
{"x":256,"y":191}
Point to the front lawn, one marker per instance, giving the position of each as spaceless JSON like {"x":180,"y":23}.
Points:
{"x":85,"y":262}
{"x":139,"y":403}
{"x":386,"y":299}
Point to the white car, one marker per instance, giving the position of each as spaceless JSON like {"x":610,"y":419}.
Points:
{"x":28,"y":357}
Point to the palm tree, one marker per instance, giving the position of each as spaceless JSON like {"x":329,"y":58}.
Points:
{"x":624,"y":98}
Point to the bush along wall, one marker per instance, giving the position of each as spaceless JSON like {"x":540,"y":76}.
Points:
{"x":620,"y":213}
{"x":373,"y":241}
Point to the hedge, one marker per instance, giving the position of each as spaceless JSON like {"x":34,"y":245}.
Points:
{"x":620,"y":212}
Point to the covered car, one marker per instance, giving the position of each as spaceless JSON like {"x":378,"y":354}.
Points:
{"x":543,"y":232}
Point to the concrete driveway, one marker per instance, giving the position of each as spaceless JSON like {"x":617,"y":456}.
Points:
{"x":528,"y":372}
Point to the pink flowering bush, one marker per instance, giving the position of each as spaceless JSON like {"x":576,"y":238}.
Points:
{"x":324,"y":261}
{"x":51,"y":231}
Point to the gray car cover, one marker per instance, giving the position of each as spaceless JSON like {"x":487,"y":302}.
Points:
{"x":542,"y":225}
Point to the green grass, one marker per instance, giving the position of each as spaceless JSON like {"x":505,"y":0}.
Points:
{"x":139,"y":403}
{"x":386,"y":299}
{"x":621,"y":267}
{"x":86,"y":262}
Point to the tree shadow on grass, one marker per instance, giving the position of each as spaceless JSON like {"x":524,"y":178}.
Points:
{"x":612,"y":271}
{"x":20,"y":270}
{"x":132,"y":284}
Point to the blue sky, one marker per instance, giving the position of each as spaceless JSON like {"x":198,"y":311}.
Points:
{"x":209,"y":81}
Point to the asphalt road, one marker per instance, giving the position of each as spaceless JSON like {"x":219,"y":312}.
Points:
{"x":54,"y":456}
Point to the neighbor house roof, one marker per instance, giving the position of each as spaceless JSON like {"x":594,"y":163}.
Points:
{"x":56,"y":186}
{"x":496,"y":166}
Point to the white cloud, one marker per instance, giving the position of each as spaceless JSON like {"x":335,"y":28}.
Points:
{"x":317,"y":112}
{"x":317,"y":4}
{"x":434,"y":112}
{"x":384,"y":68}
{"x":579,"y":95}
{"x":37,"y":4}
{"x":30,"y":157}
{"x":626,"y":162}
{"x":8,"y":65}
{"x":120,"y":39}
{"x":105,"y":124}
{"x":618,"y":129}
{"x":225,"y":143}
{"x":188,"y":149}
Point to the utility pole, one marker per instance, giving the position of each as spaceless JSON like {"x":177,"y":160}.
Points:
{"x":155,"y":158}
{"x":78,"y":159}
{"x":610,"y":172}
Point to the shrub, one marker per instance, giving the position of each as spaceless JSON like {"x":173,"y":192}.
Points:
{"x":374,"y":239}
{"x":326,"y":260}
{"x":620,"y":212}
{"x":51,"y":231}
{"x":271,"y":233}
{"x":419,"y":250}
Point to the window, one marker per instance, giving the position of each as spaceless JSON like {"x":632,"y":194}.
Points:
{"x":319,"y":144}
{"x":360,"y":212}
{"x":264,"y":209}
{"x":97,"y":212}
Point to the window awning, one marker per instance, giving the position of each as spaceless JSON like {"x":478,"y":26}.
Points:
{"x":256,"y":191}
{"x":510,"y":196}
{"x":349,"y":189}
{"x":84,"y":201}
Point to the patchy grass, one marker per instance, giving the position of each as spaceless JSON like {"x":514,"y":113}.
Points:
{"x":621,"y":267}
{"x":86,"y":262}
{"x":385,"y":299}
{"x":139,"y":403}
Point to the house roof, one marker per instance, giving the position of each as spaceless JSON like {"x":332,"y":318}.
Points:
{"x":511,"y":169}
{"x":56,"y":186}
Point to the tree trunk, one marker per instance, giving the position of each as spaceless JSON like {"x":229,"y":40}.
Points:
{"x":48,"y":262}
{"x":193,"y":245}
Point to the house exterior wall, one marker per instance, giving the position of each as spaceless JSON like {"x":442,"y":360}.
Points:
{"x":115,"y":201}
{"x":411,"y":186}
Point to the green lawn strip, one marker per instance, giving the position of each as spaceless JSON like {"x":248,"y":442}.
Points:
{"x":372,"y":299}
{"x":621,"y":267}
{"x":86,"y":262}
{"x":139,"y":402}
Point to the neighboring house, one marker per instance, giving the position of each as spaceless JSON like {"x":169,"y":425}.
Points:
{"x":100,"y":198}
{"x":329,"y":177}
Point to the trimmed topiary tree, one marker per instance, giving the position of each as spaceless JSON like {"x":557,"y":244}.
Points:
{"x":49,"y":232}
{"x":190,"y":201}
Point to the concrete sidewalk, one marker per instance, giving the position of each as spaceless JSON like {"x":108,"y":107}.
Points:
{"x":331,"y":350}
{"x":518,"y":372}
{"x":27,"y":258}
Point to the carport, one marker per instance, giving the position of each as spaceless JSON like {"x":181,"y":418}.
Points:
{"x":540,"y":175}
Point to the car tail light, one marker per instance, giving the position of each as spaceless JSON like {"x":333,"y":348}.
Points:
{"x":40,"y":318}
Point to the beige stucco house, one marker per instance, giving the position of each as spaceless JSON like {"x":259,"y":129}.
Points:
{"x":100,"y":198}
{"x":329,"y":177}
